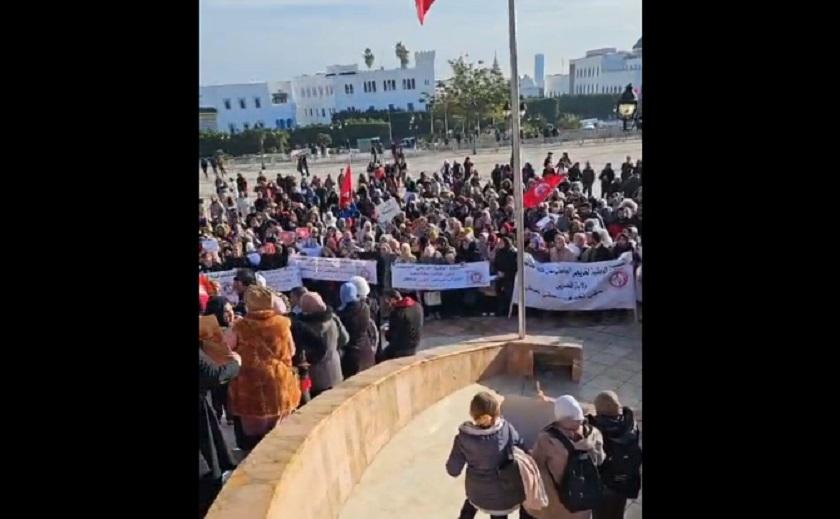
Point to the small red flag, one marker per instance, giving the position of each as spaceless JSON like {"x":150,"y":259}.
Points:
{"x":345,"y":195}
{"x":423,"y":8}
{"x":534,"y":196}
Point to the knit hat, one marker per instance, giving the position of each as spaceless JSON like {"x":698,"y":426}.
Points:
{"x":312,"y":303}
{"x":257,"y":298}
{"x":607,"y":404}
{"x":567,"y":407}
{"x":349,"y":294}
{"x":362,"y":286}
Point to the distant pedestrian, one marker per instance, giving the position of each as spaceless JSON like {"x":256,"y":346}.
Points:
{"x":204,"y":168}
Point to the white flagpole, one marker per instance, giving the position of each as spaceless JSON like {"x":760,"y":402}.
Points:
{"x":517,"y":168}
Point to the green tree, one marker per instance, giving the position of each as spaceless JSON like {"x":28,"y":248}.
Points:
{"x":476,"y":94}
{"x":323,"y":139}
{"x":368,"y":58}
{"x":402,"y":54}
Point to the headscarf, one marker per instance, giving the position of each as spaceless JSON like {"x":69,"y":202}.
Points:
{"x":567,"y":406}
{"x":257,"y":299}
{"x":362,"y":286}
{"x":348,"y":294}
{"x":312,"y":303}
{"x":216,"y":307}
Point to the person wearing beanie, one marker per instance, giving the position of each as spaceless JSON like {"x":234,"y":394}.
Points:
{"x":320,"y":321}
{"x":354,"y":312}
{"x":405,"y":323}
{"x":621,"y":471}
{"x":551,"y":455}
{"x":482,"y":445}
{"x":266,"y":390}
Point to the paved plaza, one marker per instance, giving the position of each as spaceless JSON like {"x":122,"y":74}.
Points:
{"x":598,"y":153}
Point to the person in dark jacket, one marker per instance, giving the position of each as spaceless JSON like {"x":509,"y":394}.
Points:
{"x":204,"y":168}
{"x":243,"y":279}
{"x":626,"y":169}
{"x":505,"y":265}
{"x":325,"y":365}
{"x":404,"y":325}
{"x":606,"y":177}
{"x":359,"y":353}
{"x":482,"y":445}
{"x":214,"y":456}
{"x":588,"y":178}
{"x":601,"y":246}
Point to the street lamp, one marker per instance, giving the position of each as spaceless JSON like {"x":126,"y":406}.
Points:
{"x":262,"y":148}
{"x":412,"y":128}
{"x":627,"y":104}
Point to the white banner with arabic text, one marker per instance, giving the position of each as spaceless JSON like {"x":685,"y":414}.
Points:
{"x":420,"y":276}
{"x":334,"y":269}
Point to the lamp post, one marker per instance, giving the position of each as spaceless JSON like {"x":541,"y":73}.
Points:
{"x":626,"y":106}
{"x":262,"y":148}
{"x":412,"y":128}
{"x":390,"y":132}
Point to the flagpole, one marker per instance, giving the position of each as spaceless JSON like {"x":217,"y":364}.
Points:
{"x":517,"y":169}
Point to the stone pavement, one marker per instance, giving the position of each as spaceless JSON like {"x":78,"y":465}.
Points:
{"x":407,"y":479}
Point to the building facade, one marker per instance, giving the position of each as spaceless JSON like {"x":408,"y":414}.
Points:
{"x":208,"y":119}
{"x":556,"y":85}
{"x":347,"y":87}
{"x":250,"y":105}
{"x":528,"y":87}
{"x":606,"y":71}
{"x":539,"y":70}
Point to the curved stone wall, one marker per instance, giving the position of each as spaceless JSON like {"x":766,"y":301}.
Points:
{"x":307,"y":467}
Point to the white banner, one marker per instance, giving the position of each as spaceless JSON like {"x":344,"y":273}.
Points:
{"x":419,"y":276}
{"x":387,"y":211}
{"x":334,"y":269}
{"x":282,"y":280}
{"x":225,"y":279}
{"x":580,"y":286}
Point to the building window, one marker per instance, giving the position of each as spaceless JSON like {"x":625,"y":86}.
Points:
{"x":227,"y":104}
{"x":278,"y":123}
{"x":279,"y":98}
{"x":348,"y":89}
{"x":257,"y":102}
{"x":385,"y":85}
{"x":288,"y":123}
{"x":391,"y":107}
{"x":232,"y":128}
{"x":427,"y":82}
{"x":410,"y":107}
{"x":323,"y":113}
{"x":246,"y":126}
{"x":242,"y":103}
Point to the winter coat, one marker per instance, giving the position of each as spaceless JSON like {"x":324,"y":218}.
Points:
{"x":601,"y":253}
{"x":482,"y":451}
{"x":359,"y":352}
{"x":214,"y":456}
{"x":404,"y":325}
{"x":551,"y":457}
{"x":326,"y":371}
{"x":267,"y":385}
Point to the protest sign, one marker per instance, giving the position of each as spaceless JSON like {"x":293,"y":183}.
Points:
{"x":225,"y":279}
{"x":580,"y":286}
{"x":334,"y":269}
{"x":282,"y":280}
{"x":312,"y":252}
{"x":387,"y":211}
{"x":210,"y":245}
{"x":419,"y":276}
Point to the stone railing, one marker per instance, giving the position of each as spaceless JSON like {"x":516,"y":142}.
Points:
{"x":306,"y":468}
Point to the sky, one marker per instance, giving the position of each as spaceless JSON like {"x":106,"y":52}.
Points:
{"x":243,"y":41}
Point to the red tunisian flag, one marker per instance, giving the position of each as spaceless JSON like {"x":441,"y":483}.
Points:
{"x":534,"y":196}
{"x":345,"y":194}
{"x":423,"y":7}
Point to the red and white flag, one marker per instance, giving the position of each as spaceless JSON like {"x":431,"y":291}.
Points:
{"x":535,"y":196}
{"x":345,"y":194}
{"x":423,"y":7}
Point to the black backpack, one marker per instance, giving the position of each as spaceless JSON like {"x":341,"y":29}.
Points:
{"x":580,"y":488}
{"x":621,"y":470}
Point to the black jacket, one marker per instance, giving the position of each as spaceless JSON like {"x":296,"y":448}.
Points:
{"x":588,"y":176}
{"x":214,"y":456}
{"x":359,"y":352}
{"x":607,"y":175}
{"x":404,"y":326}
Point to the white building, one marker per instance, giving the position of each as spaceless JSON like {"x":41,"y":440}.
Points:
{"x":606,"y":71}
{"x":250,"y":105}
{"x":556,"y":85}
{"x":347,"y":87}
{"x":528,"y":87}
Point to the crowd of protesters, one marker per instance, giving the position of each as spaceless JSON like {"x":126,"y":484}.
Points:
{"x":266,"y":353}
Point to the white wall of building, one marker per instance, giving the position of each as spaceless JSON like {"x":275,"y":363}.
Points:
{"x":242,"y":106}
{"x":605,"y":71}
{"x":556,"y":85}
{"x":345,"y":87}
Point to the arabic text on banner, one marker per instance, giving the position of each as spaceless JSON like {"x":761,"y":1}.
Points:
{"x":580,"y":286}
{"x":387,"y":211}
{"x":334,"y":269}
{"x":419,"y":276}
{"x":225,"y":279}
{"x":282,"y":280}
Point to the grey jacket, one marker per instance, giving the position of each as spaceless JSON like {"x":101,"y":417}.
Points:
{"x":483,"y":451}
{"x":326,"y":372}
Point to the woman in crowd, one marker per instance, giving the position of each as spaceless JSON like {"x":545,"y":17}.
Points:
{"x":484,"y":446}
{"x":267,"y":389}
{"x":505,"y":266}
{"x":551,"y":454}
{"x":325,"y":361}
{"x":220,"y":308}
{"x":359,"y":353}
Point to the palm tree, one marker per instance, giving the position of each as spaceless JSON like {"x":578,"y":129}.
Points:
{"x":368,"y":58}
{"x":402,"y":54}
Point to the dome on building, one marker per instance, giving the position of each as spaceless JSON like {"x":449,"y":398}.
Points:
{"x":638,"y":44}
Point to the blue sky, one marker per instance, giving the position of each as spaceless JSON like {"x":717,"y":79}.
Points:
{"x":258,"y":40}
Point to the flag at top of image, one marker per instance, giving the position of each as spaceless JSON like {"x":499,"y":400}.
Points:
{"x":423,"y":8}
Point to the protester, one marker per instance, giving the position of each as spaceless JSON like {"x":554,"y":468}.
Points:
{"x":485,"y":446}
{"x":319,"y":319}
{"x":221,"y":309}
{"x":552,"y":453}
{"x":267,"y":389}
{"x":505,"y":265}
{"x":359,"y":352}
{"x":404,"y":325}
{"x":244,"y":278}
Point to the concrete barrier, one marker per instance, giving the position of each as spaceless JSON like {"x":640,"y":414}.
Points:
{"x":306,"y":468}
